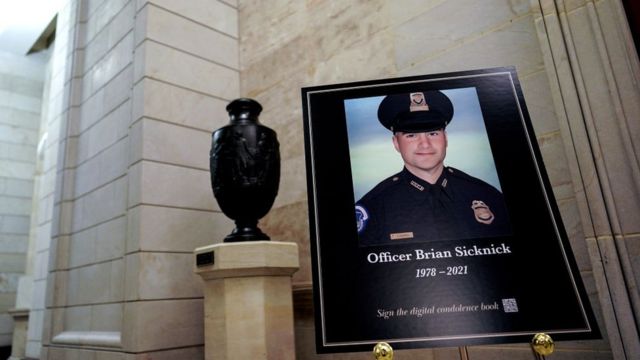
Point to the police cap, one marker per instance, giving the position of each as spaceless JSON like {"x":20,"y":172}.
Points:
{"x":416,"y":111}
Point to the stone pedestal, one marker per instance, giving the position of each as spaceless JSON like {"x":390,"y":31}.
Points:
{"x":20,"y":321}
{"x":248,"y":302}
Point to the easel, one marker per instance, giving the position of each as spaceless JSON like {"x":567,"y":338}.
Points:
{"x":541,"y":345}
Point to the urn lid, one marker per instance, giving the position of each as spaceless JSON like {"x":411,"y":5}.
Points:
{"x":244,"y":109}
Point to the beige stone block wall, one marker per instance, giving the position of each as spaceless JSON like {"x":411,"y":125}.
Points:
{"x":47,"y":186}
{"x":593,"y":70}
{"x":136,"y":88}
{"x":21,"y":87}
{"x":132,"y":198}
{"x":185,"y":72}
{"x":287,"y":45}
{"x":90,"y":102}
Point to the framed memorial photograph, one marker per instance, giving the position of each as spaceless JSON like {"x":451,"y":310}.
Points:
{"x":432,"y":220}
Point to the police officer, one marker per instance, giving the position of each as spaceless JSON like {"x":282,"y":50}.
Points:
{"x":426,"y":201}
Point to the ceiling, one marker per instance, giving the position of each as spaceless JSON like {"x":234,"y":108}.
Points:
{"x":23,"y":21}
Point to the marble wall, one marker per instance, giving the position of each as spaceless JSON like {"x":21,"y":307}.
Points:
{"x":47,"y":190}
{"x":594,"y":72}
{"x":137,"y":86}
{"x":286,"y":45}
{"x":85,"y":269}
{"x":21,"y":84}
{"x":146,"y":82}
{"x":32,"y":287}
{"x":184,"y":75}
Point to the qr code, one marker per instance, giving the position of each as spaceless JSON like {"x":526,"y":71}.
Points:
{"x":510,"y":305}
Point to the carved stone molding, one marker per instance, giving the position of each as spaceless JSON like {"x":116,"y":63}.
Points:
{"x":594,"y":76}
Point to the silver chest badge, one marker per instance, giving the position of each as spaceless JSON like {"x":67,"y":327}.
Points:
{"x":482,"y":212}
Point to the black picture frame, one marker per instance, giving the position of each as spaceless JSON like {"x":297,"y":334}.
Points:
{"x":362,"y":296}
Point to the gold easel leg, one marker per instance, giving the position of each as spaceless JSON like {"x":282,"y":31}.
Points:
{"x":536,"y":355}
{"x":464,"y":354}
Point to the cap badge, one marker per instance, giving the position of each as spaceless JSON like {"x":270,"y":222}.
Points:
{"x":482,"y":212}
{"x":418,"y":102}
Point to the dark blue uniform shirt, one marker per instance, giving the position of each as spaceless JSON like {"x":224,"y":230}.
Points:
{"x":404,"y":208}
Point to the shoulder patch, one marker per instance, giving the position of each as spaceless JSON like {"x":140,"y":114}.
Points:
{"x":361,"y":218}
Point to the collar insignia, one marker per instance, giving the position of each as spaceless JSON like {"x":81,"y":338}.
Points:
{"x":416,"y":185}
{"x":482,"y":212}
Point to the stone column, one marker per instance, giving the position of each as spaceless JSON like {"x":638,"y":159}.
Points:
{"x":141,"y":84}
{"x":594,"y":74}
{"x":248,"y":301}
{"x":20,"y":321}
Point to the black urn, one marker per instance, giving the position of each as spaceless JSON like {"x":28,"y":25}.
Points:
{"x":245,"y":169}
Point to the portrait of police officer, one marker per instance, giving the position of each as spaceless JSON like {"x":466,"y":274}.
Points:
{"x":427,"y":200}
